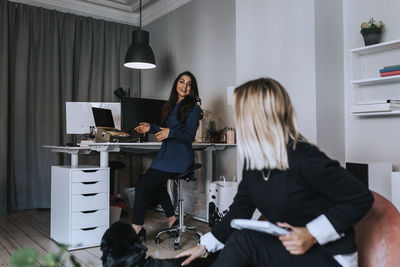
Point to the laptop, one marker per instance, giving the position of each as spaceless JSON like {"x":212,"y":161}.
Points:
{"x":103,"y":120}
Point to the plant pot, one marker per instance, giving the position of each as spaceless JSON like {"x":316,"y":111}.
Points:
{"x":371,"y":36}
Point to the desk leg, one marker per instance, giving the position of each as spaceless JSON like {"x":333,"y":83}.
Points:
{"x":74,"y":160}
{"x":103,"y":158}
{"x":209,"y":169}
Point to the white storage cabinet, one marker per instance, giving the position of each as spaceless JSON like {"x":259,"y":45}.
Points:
{"x":79,"y":205}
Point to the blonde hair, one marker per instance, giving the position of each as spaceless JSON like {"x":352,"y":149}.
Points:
{"x":265,"y":122}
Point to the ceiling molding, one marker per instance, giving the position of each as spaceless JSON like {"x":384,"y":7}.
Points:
{"x":87,"y":9}
{"x":121,"y":11}
{"x":160,"y":9}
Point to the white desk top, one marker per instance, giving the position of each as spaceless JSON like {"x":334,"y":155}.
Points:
{"x":115,"y":147}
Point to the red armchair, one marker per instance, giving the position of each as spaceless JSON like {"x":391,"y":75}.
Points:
{"x":378,"y":235}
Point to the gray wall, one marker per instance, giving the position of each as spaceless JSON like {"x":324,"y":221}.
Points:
{"x":276,"y":39}
{"x":371,"y":139}
{"x":200,"y":37}
{"x":329,"y":78}
{"x":300,"y":44}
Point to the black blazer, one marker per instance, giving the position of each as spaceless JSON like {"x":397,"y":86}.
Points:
{"x":313,"y":185}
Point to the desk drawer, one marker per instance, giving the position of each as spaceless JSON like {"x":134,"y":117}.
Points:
{"x":89,"y":219}
{"x":89,"y":187}
{"x":89,"y":175}
{"x":88,"y":236}
{"x":89,"y":202}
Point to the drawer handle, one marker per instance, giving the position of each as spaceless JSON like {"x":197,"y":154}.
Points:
{"x":89,"y":170}
{"x":88,"y":229}
{"x":89,"y":211}
{"x":89,"y":195}
{"x":89,"y":182}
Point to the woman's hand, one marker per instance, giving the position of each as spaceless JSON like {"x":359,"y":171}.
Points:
{"x":143,"y":127}
{"x":193,"y":253}
{"x":162,"y":134}
{"x":298,"y":241}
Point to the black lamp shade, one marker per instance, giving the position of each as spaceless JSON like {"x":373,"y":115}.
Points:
{"x":140,"y":55}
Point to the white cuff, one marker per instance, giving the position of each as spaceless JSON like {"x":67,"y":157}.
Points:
{"x":322,"y":229}
{"x":347,"y":260}
{"x":211,"y":243}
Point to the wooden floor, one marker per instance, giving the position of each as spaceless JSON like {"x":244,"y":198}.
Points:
{"x":31,"y":229}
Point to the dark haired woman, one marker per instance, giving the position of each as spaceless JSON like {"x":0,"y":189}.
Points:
{"x":180,"y":116}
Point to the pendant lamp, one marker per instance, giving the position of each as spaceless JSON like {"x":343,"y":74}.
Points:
{"x":140,"y":55}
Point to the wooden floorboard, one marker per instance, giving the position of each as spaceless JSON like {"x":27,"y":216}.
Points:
{"x":31,"y":229}
{"x":40,"y":234}
{"x":4,"y":256}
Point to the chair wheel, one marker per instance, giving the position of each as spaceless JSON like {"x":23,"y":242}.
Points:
{"x":157,"y":240}
{"x":176,"y":246}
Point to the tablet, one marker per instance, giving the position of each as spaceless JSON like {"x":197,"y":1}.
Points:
{"x":260,"y":226}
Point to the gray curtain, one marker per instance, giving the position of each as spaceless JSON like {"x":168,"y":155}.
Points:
{"x":48,"y":58}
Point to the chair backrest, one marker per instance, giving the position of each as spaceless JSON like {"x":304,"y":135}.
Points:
{"x":378,"y":235}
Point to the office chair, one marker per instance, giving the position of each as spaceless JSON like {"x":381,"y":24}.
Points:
{"x":188,"y":176}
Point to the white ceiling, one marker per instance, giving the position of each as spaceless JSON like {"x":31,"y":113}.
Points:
{"x":122,"y":11}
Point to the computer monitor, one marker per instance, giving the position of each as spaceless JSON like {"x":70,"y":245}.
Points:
{"x":79,"y":115}
{"x":135,"y":110}
{"x":103,"y":117}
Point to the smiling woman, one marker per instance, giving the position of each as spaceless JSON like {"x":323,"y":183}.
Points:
{"x":180,"y":119}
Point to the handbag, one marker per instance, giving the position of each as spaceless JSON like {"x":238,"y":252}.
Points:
{"x":220,"y":197}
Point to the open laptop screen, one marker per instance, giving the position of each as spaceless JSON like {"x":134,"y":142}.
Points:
{"x":103,"y":117}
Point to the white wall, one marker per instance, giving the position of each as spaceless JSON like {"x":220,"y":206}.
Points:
{"x":277,"y":39}
{"x":300,"y":44}
{"x":329,"y":78}
{"x":200,"y":37}
{"x":371,"y":139}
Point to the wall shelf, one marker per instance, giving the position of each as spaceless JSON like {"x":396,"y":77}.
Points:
{"x":377,"y":80}
{"x":371,"y":49}
{"x":379,"y":113}
{"x":366,"y":85}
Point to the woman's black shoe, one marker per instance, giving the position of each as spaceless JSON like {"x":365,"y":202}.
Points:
{"x":141,"y":234}
{"x":175,"y":224}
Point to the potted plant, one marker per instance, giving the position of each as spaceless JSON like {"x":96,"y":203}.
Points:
{"x":371,"y":31}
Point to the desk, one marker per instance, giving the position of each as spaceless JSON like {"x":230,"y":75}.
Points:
{"x":139,"y":148}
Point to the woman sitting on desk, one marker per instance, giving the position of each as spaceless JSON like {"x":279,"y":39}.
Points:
{"x":293,"y":184}
{"x":180,"y":115}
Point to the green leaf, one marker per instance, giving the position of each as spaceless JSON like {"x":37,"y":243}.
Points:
{"x":24,"y":257}
{"x":49,"y":260}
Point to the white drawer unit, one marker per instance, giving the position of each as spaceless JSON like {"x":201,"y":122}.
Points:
{"x":79,"y":205}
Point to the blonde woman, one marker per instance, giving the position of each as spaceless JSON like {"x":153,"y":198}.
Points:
{"x":293,"y":184}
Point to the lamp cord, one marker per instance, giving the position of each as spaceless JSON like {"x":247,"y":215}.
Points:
{"x":140,"y":11}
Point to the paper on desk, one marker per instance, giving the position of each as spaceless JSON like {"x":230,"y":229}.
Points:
{"x":260,"y":226}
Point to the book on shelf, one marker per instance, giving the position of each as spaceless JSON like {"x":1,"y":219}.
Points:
{"x":360,"y":108}
{"x":390,"y":73}
{"x":390,"y":68}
